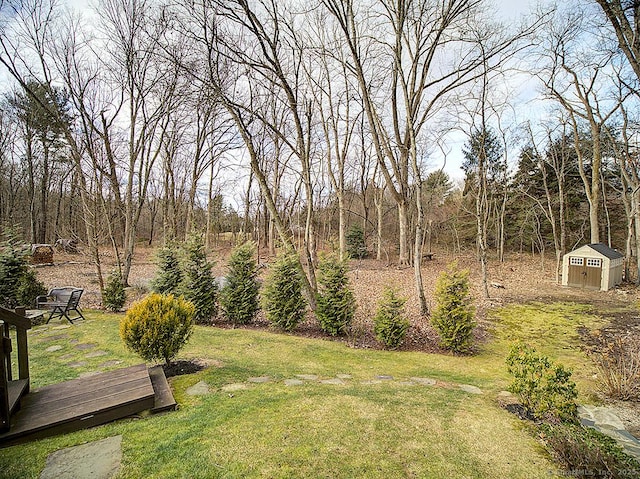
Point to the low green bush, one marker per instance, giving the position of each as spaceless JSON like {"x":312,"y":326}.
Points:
{"x":114,"y":296}
{"x":545,"y":389}
{"x":390,"y":324}
{"x":158,"y":326}
{"x":336,"y":304}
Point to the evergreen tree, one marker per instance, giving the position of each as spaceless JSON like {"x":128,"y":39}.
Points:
{"x":390,"y":323}
{"x":239,"y":296}
{"x":356,"y":246}
{"x":198,"y":285}
{"x":169,"y":276}
{"x":454,"y":315}
{"x":114,"y":296}
{"x":19,"y":285}
{"x":336,"y":304}
{"x":282,"y":297}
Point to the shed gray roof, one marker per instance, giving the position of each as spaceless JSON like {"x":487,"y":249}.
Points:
{"x":604,"y":250}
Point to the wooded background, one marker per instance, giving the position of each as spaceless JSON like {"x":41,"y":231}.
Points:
{"x":140,"y":121}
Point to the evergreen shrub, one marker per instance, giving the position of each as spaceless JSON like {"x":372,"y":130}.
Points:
{"x":336,"y":304}
{"x":169,"y":276}
{"x":545,"y":389}
{"x":198,"y":283}
{"x":390,"y":323}
{"x":282,"y":298}
{"x":158,"y":326}
{"x":114,"y":296}
{"x":239,"y":296}
{"x":454,"y":315}
{"x":356,"y":246}
{"x":19,"y":285}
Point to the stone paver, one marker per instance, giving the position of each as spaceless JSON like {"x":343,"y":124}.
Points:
{"x":371,"y":382}
{"x":95,"y":354}
{"x":234,"y":387}
{"x":259,"y":379}
{"x":96,"y":460}
{"x":424,"y":381}
{"x":52,"y":349}
{"x":62,"y":326}
{"x":470,"y":389}
{"x":88,"y":374}
{"x":407,"y":383}
{"x":198,"y":389}
{"x":293,"y":382}
{"x":383,"y":377}
{"x":307,"y":377}
{"x":55,"y":337}
{"x":334,"y":381}
{"x":85,"y":346}
{"x":78,"y":364}
{"x":67,"y":356}
{"x":344,"y":376}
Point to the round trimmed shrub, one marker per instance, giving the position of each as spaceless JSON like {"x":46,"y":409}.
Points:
{"x":158,"y":326}
{"x":239,"y":296}
{"x":336,"y":304}
{"x":282,"y":298}
{"x":390,"y":324}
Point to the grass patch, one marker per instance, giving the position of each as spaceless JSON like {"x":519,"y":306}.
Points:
{"x":390,"y":429}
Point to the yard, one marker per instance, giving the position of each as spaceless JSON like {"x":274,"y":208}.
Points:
{"x":329,"y":409}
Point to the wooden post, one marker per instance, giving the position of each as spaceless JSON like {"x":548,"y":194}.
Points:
{"x":4,"y":387}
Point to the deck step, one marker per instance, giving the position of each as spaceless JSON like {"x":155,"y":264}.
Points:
{"x":16,"y":389}
{"x":81,"y":403}
{"x":164,"y":400}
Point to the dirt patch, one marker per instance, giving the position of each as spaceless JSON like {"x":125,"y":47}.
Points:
{"x":182,"y":366}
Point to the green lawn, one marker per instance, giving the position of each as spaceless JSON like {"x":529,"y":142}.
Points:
{"x":385,"y":430}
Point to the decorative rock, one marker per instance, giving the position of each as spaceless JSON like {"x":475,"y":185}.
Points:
{"x":470,"y":389}
{"x":51,"y":349}
{"x":344,"y":376}
{"x":293,"y":382}
{"x":199,"y":389}
{"x":98,"y":460}
{"x":307,"y":377}
{"x":77,"y":364}
{"x":384,"y":378}
{"x":259,"y":379}
{"x":96,"y":354}
{"x":85,"y":346}
{"x":604,"y":417}
{"x":334,"y":381}
{"x":424,"y":381}
{"x":234,"y":387}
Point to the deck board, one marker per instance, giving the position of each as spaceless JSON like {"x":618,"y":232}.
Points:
{"x":81,"y":403}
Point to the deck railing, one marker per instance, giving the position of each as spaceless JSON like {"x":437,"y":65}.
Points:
{"x":22,"y":324}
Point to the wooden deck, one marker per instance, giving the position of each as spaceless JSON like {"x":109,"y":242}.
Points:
{"x":87,"y":402}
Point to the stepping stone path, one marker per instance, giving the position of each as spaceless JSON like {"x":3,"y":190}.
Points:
{"x":52,"y":349}
{"x":85,"y":346}
{"x":199,"y":389}
{"x":293,"y":382}
{"x":603,"y":419}
{"x":334,"y":381}
{"x":234,"y":387}
{"x":96,"y":354}
{"x":307,"y":377}
{"x":259,"y":380}
{"x":96,"y":460}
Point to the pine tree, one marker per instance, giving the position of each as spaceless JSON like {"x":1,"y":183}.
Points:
{"x":19,"y":285}
{"x":114,"y":296}
{"x":239,"y":296}
{"x":198,"y":284}
{"x":336,"y":304}
{"x":169,"y":276}
{"x":454,"y":315}
{"x":356,"y":246}
{"x":282,"y":297}
{"x":390,"y":323}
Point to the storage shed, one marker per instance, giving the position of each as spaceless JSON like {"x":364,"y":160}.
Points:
{"x":592,"y":266}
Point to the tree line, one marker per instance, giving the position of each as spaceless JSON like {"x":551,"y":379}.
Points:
{"x":142,"y":120}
